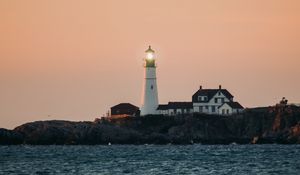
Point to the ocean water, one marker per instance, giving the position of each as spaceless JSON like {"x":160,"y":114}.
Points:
{"x":151,"y":159}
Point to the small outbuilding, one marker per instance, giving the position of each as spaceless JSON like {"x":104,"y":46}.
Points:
{"x":175,"y":108}
{"x":124,"y":110}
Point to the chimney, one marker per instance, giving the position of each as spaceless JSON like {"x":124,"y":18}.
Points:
{"x":220,"y":87}
{"x":200,"y":87}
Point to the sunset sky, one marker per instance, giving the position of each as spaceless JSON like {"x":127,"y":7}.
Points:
{"x":73,"y":60}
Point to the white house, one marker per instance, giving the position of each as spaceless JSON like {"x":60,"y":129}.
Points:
{"x":210,"y":101}
{"x":215,"y":101}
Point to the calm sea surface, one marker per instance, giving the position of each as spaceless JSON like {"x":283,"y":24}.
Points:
{"x":151,"y":159}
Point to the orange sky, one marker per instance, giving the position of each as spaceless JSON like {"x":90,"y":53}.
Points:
{"x":72,"y":60}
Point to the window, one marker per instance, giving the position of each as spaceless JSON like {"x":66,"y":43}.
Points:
{"x":223,"y":111}
{"x":200,"y":108}
{"x":206,"y":107}
{"x":227,"y":111}
{"x":202,"y":98}
{"x":213,"y":109}
{"x":216,"y":100}
{"x":151,"y":87}
{"x":223,"y":100}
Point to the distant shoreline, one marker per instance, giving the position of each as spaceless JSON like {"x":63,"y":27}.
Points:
{"x":262,"y":125}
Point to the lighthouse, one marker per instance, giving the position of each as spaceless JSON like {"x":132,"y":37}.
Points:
{"x":150,"y":96}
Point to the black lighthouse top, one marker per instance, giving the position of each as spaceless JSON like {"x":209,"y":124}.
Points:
{"x":150,"y":57}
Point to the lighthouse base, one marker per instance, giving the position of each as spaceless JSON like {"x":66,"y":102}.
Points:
{"x":150,"y":95}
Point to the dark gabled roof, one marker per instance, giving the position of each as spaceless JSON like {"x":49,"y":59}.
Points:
{"x":175,"y":105}
{"x":162,"y":107}
{"x":180,"y":105}
{"x":234,"y":105}
{"x":209,"y":93}
{"x":124,"y":106}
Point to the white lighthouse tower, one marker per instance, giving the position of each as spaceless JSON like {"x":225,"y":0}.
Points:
{"x":150,"y":96}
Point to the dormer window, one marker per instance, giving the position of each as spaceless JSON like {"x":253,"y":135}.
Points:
{"x":199,"y":98}
{"x":202,"y":98}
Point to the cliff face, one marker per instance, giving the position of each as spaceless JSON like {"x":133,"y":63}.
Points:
{"x":279,"y":124}
{"x":66,"y":132}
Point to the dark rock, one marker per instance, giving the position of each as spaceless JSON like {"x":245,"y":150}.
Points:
{"x":9,"y":137}
{"x":278,"y":124}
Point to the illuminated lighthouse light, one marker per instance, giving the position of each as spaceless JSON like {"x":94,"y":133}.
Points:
{"x":150,"y":56}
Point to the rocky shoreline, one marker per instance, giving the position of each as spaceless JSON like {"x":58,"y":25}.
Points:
{"x":276,"y":124}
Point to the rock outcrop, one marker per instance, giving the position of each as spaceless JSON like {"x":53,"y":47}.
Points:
{"x":9,"y":137}
{"x":278,"y":124}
